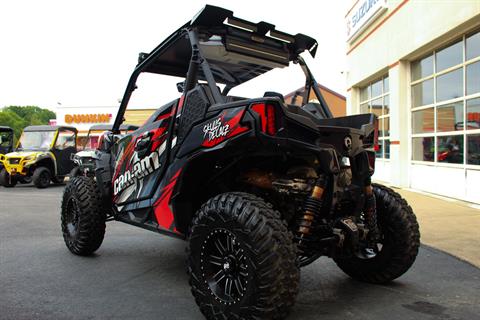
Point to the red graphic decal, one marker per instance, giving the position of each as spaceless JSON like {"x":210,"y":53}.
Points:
{"x":158,"y":138}
{"x":126,"y":155}
{"x":163,"y":116}
{"x":218,"y":130}
{"x":180,"y":103}
{"x":179,"y":106}
{"x":162,"y":209}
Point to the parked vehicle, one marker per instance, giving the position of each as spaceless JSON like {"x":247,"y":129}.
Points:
{"x":43,"y":154}
{"x":84,"y":160}
{"x":6,"y":142}
{"x":257,"y":187}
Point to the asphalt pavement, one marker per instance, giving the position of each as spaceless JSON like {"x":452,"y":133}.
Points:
{"x":138,"y":274}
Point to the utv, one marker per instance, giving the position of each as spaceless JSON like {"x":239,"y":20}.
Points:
{"x":257,"y":187}
{"x":42,"y":155}
{"x":84,"y":161}
{"x":6,"y":142}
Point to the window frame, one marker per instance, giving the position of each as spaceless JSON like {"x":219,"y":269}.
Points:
{"x":381,"y":138}
{"x":463,"y":99}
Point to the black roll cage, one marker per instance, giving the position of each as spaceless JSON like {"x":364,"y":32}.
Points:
{"x":213,"y":18}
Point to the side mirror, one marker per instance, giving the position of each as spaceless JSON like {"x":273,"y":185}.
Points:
{"x":180,"y":87}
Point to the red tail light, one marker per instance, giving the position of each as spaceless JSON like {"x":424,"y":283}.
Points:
{"x":266,"y":112}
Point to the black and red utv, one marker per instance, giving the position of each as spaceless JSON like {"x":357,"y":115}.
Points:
{"x":258,"y":187}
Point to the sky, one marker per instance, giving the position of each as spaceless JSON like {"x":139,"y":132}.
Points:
{"x":82,"y":53}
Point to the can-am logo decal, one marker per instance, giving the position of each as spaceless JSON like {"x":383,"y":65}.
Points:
{"x":215,"y":129}
{"x":140,"y":169}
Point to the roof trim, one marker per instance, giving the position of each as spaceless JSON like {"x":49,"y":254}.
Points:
{"x":48,"y":128}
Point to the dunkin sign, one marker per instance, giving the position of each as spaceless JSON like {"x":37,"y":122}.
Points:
{"x":88,"y":118}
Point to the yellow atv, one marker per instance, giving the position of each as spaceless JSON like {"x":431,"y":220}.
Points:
{"x":43,"y":154}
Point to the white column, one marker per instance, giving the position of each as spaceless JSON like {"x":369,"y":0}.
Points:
{"x":353,"y":101}
{"x":399,"y":123}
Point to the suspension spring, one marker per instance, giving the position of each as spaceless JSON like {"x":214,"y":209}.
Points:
{"x":312,"y":208}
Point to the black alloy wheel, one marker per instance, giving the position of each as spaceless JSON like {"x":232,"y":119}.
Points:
{"x":224,"y":265}
{"x":241,"y":259}
{"x":396,"y":249}
{"x":41,"y":177}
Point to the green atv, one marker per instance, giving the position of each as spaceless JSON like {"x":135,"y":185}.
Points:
{"x":43,"y":155}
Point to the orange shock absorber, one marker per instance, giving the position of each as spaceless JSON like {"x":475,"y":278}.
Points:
{"x":312,"y":207}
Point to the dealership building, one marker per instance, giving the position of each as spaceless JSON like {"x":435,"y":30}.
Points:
{"x":416,"y":65}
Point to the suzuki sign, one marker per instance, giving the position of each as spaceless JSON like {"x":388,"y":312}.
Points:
{"x":363,"y":13}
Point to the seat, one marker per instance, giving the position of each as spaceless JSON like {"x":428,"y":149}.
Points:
{"x":194,"y":108}
{"x":274,"y":94}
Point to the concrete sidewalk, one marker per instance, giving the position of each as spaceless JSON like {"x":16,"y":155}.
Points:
{"x":446,"y":224}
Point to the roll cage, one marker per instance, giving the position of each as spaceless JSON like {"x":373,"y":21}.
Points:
{"x":48,"y":128}
{"x":219,"y":48}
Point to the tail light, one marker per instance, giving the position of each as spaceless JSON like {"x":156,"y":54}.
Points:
{"x":266,"y":112}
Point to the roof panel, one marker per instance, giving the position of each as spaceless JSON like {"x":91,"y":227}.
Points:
{"x":240,"y":50}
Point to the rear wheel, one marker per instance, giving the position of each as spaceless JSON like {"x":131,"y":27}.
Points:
{"x":41,"y":177}
{"x":6,"y":180}
{"x":397,"y":247}
{"x":83,"y":218}
{"x":241,"y":260}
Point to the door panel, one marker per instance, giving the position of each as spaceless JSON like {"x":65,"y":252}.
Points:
{"x":65,"y":146}
{"x":139,"y":160}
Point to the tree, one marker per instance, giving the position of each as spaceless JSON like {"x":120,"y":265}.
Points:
{"x":18,"y":117}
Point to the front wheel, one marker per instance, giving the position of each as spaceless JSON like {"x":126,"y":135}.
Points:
{"x":398,"y":245}
{"x":241,"y":259}
{"x":6,"y":180}
{"x":41,"y":177}
{"x":83,"y":218}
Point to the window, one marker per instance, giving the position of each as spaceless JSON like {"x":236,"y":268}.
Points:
{"x":473,"y":149}
{"x":446,"y":104}
{"x":423,"y":93}
{"x":374,"y":98}
{"x":473,"y":78}
{"x":65,"y":139}
{"x":422,"y":68}
{"x":473,"y":114}
{"x":423,"y":149}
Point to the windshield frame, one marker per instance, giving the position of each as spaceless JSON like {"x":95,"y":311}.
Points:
{"x":43,"y":143}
